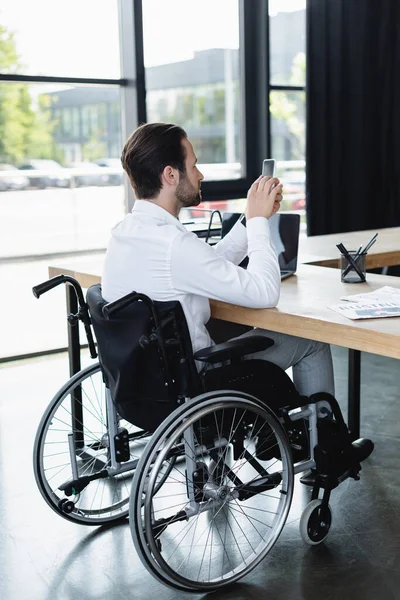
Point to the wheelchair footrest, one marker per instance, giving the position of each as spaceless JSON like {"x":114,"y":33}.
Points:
{"x":329,"y":482}
{"x":75,"y":486}
{"x":257,"y":486}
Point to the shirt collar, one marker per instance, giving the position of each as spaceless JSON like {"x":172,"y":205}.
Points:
{"x":156,"y":211}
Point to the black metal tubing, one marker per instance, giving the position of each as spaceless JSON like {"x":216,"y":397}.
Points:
{"x":287,"y":88}
{"x":354,"y":382}
{"x":256,"y":77}
{"x":139,"y":62}
{"x":268,"y":85}
{"x":74,"y":80}
{"x":74,"y":354}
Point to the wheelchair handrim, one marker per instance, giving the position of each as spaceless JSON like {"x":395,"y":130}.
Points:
{"x":148,"y":550}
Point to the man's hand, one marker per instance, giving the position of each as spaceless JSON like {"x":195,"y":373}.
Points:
{"x":264,"y":198}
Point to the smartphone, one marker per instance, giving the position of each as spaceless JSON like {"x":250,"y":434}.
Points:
{"x":268,"y":168}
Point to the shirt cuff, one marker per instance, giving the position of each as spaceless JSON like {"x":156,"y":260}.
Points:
{"x":258,"y":226}
{"x":238,"y":234}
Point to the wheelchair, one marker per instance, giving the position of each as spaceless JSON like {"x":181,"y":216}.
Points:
{"x":202,"y":460}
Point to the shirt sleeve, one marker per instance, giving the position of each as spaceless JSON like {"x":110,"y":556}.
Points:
{"x":233,"y":246}
{"x":196,"y":268}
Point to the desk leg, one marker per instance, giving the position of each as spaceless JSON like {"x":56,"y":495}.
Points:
{"x":74,"y":354}
{"x":354,"y":393}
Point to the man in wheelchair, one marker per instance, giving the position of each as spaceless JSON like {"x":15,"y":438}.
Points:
{"x":212,"y":433}
{"x":152,"y":252}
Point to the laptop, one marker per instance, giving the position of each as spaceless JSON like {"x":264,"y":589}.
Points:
{"x":285,"y":231}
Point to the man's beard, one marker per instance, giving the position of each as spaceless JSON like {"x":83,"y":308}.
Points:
{"x":186,"y":195}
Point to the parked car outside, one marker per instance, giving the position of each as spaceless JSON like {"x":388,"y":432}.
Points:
{"x":204,"y":210}
{"x":87,"y":173}
{"x":11,"y":181}
{"x":115,"y":174}
{"x":50,"y":174}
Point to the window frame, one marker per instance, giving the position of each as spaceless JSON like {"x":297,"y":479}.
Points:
{"x":255,"y":89}
{"x":278,"y":88}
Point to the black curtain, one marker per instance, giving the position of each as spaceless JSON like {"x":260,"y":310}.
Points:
{"x":353,"y":115}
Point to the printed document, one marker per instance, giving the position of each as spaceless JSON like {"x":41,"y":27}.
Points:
{"x":384,"y":302}
{"x":384,"y":294}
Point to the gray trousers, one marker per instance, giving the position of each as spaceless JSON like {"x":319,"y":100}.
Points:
{"x":311,"y":361}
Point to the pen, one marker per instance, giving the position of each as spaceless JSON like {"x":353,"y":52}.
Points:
{"x":360,"y":251}
{"x":371,"y":241}
{"x":351,"y":261}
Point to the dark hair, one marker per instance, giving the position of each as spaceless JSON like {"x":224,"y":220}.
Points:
{"x":147,"y":151}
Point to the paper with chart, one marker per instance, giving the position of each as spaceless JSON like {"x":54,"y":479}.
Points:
{"x":384,"y":302}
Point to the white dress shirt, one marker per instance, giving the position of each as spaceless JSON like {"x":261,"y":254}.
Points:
{"x":151,"y":252}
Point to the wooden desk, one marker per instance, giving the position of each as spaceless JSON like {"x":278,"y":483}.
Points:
{"x":301,"y":311}
{"x":321,"y":249}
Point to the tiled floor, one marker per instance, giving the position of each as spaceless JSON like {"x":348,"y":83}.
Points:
{"x":43,"y":557}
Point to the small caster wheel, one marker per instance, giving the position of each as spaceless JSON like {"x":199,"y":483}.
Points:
{"x":315,"y":522}
{"x":66,"y":506}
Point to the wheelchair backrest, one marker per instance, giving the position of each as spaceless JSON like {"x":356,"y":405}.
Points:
{"x":146,"y":368}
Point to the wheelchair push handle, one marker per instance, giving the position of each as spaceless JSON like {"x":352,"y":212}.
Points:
{"x":82,"y":314}
{"x":110,"y":309}
{"x":46,"y":286}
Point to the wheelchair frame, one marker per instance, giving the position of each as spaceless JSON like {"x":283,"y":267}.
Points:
{"x":317,"y":517}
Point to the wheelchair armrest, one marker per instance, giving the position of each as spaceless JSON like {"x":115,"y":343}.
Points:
{"x":233,"y":349}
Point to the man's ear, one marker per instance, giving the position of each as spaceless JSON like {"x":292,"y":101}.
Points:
{"x":170,"y":176}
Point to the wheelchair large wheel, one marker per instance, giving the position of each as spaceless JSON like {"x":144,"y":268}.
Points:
{"x":76,"y":422}
{"x":198,"y":531}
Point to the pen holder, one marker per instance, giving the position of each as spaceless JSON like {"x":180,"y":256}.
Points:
{"x":353,"y":271}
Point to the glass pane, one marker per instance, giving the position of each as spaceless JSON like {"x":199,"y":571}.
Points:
{"x":287,"y":31}
{"x":195,"y":81}
{"x":60,"y":192}
{"x":288,"y":145}
{"x":66,"y":39}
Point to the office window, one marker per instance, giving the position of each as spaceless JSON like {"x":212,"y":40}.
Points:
{"x":40,"y":156}
{"x":68,"y":39}
{"x":287,"y":31}
{"x":66,"y":118}
{"x":54,"y":199}
{"x":287,"y":42}
{"x":85,"y":120}
{"x":288,"y":145}
{"x":192,"y":74}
